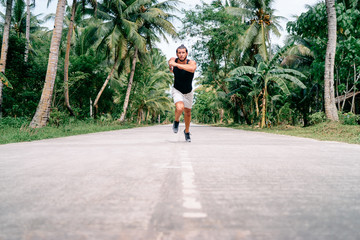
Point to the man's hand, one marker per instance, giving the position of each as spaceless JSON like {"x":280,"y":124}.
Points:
{"x":189,"y":67}
{"x":172,"y":63}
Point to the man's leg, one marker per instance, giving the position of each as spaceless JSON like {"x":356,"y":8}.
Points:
{"x":187,"y":118}
{"x":179,"y":110}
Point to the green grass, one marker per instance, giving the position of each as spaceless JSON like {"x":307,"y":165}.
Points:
{"x":17,"y":130}
{"x":327,"y":131}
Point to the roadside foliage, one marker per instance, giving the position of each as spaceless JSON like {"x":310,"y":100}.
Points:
{"x":108,"y":66}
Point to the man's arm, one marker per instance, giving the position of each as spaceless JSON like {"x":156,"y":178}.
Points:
{"x":170,"y":63}
{"x":189,"y":67}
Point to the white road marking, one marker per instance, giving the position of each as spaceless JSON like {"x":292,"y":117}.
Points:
{"x":194,"y":215}
{"x":190,"y":194}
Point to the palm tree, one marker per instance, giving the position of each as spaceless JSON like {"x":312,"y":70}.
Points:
{"x":149,"y":98}
{"x":67,"y":52}
{"x":67,"y":58}
{"x":131,"y":79}
{"x":150,"y":91}
{"x":269,"y":73}
{"x":4,"y":48}
{"x":41,"y":116}
{"x":329,"y":94}
{"x":22,"y":17}
{"x":27,"y":34}
{"x":119,"y":34}
{"x":261,"y":19}
{"x":154,"y":21}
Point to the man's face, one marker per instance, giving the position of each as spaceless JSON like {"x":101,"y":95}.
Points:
{"x":181,"y":54}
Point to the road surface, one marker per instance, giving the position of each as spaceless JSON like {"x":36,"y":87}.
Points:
{"x":149,"y":184}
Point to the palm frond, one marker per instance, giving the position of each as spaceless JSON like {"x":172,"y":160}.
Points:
{"x":278,"y":55}
{"x":135,"y":7}
{"x":243,"y":70}
{"x":250,"y":34}
{"x":238,"y":12}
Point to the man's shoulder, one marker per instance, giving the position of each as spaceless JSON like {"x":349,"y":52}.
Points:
{"x":191,"y":61}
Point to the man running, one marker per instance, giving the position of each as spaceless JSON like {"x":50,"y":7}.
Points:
{"x":182,"y":93}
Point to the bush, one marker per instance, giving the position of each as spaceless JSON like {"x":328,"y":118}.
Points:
{"x":349,"y":118}
{"x":58,"y":118}
{"x":317,"y":118}
{"x":13,"y":122}
{"x":106,"y":118}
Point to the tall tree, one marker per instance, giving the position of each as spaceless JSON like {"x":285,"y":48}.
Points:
{"x":42,"y":114}
{"x":131,"y":79}
{"x":67,"y":58}
{"x":153,"y":20}
{"x":67,"y":52}
{"x":5,"y":46}
{"x":119,"y":33}
{"x":268,"y":73}
{"x":27,"y":34}
{"x":329,"y":94}
{"x":150,"y":93}
{"x":259,"y":15}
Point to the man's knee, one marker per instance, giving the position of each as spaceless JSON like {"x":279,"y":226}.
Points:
{"x":187,"y":112}
{"x":179,"y":107}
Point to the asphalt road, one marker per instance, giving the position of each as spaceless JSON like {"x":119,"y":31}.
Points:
{"x":149,"y":184}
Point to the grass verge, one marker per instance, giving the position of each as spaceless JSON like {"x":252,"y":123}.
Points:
{"x":18,"y":130}
{"x":326,"y":131}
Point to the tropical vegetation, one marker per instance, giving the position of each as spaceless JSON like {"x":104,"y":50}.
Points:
{"x":101,"y":61}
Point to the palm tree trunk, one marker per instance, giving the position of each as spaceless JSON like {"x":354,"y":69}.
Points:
{"x":263,"y":46}
{"x":67,"y":57}
{"x":27,"y":33}
{"x":346,"y":91}
{"x":140,"y":115}
{"x":353,"y":98}
{"x":5,"y":46}
{"x":91,"y":108}
{"x":337,"y":87}
{"x":131,"y":78}
{"x":256,"y":100}
{"x":42,"y":114}
{"x":221,"y":115}
{"x":242,"y":107}
{"x":269,"y":41}
{"x":329,"y":95}
{"x":104,"y":85}
{"x":263,"y":110}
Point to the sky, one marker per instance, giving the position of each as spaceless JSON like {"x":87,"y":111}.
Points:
{"x":285,"y":8}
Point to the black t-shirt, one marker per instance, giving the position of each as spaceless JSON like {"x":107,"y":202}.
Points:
{"x":183,"y":79}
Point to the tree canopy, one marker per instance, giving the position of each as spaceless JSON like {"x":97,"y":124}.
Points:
{"x":109,"y":61}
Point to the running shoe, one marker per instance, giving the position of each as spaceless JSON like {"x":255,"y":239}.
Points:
{"x":187,"y":136}
{"x":175,"y":127}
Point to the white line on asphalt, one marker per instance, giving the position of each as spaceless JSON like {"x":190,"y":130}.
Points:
{"x":194,"y":215}
{"x":190,"y":194}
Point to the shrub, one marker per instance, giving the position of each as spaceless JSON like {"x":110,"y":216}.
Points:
{"x":13,"y":122}
{"x":317,"y":118}
{"x":349,"y":118}
{"x":58,"y":118}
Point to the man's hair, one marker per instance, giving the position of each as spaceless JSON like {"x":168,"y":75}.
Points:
{"x":181,"y":47}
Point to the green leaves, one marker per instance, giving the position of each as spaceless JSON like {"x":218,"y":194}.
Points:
{"x":288,"y":71}
{"x":5,"y":81}
{"x":280,"y":82}
{"x":243,"y":70}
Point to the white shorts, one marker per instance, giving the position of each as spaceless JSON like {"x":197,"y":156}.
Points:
{"x":187,"y":99}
